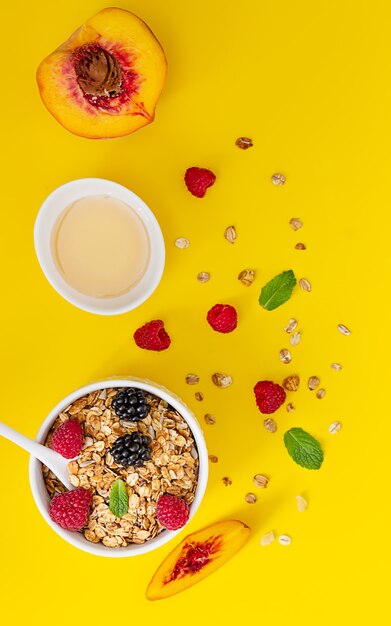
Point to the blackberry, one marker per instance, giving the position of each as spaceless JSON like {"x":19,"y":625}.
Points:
{"x":130,"y":404}
{"x":132,"y":449}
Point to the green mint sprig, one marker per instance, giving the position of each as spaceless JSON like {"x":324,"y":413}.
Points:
{"x":303,"y":448}
{"x":277,"y":291}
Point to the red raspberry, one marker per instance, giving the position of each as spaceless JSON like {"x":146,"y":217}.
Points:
{"x":223,"y":318}
{"x":68,"y":439}
{"x":198,"y":179}
{"x":172,"y":512}
{"x":71,"y":509}
{"x":269,"y":396}
{"x":152,"y":336}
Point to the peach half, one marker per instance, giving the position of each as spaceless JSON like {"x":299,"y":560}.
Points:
{"x":197,"y":556}
{"x":104,"y":81}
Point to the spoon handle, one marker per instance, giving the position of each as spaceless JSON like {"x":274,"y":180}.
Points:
{"x":50,"y":458}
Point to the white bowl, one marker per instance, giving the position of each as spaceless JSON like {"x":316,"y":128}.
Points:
{"x":41,"y":495}
{"x":47,"y":218}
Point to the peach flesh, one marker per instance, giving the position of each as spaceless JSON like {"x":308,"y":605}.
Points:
{"x":194,"y":557}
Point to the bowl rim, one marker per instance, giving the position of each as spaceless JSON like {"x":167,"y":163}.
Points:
{"x":51,"y":209}
{"x":75,"y":538}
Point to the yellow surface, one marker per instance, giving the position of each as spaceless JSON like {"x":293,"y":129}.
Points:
{"x":309,"y":82}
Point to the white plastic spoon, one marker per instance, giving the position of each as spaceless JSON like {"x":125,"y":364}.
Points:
{"x":54,"y":461}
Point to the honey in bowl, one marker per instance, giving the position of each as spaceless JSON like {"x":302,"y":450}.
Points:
{"x":100,"y":246}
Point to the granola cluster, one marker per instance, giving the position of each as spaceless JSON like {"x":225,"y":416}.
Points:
{"x":172,"y":469}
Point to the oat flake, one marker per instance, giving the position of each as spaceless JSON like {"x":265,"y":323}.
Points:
{"x":295,"y":223}
{"x":246,"y":277}
{"x":199,"y":396}
{"x":182,"y":242}
{"x":344,"y":330}
{"x":290,"y":407}
{"x":270,"y":425}
{"x":192,"y":379}
{"x":250,"y":498}
{"x":222,"y":380}
{"x":209,"y":419}
{"x":295,"y":338}
{"x":268,"y":538}
{"x":320,"y":394}
{"x":313,"y":383}
{"x":336,"y":366}
{"x":305,"y":284}
{"x":335,"y":427}
{"x":302,"y":504}
{"x":230,"y":234}
{"x":261,"y":481}
{"x":244,"y":143}
{"x":203,"y":277}
{"x":285,"y":356}
{"x":300,"y":246}
{"x":278,"y":179}
{"x":285,"y":540}
{"x":213,"y":459}
{"x":291,"y":326}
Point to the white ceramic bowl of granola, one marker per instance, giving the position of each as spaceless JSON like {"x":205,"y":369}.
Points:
{"x":45,"y":224}
{"x":41,"y":495}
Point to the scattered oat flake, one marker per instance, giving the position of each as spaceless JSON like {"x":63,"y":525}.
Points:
{"x":291,"y":326}
{"x":285,"y":540}
{"x":230,"y":234}
{"x":300,"y":246}
{"x":199,"y":396}
{"x":320,"y":394}
{"x":261,"y":481}
{"x":296,"y":223}
{"x":285,"y":356}
{"x":335,"y":427}
{"x":250,"y":498}
{"x":268,"y":538}
{"x":301,"y":503}
{"x":203,"y":277}
{"x":336,"y":366}
{"x":344,"y":330}
{"x":227,"y":481}
{"x":305,"y":284}
{"x":295,"y":338}
{"x":290,"y":408}
{"x":313,"y":382}
{"x":270,"y":425}
{"x":182,"y":242}
{"x":212,"y":458}
{"x":209,"y":418}
{"x":192,"y":379}
{"x":246,"y":277}
{"x":222,"y":380}
{"x":278,"y":179}
{"x":244,"y":143}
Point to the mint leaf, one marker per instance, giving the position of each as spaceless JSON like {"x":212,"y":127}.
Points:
{"x":277,"y":291}
{"x":119,"y":500}
{"x":303,"y":448}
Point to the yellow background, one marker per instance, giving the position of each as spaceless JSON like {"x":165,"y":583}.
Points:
{"x":310,"y":84}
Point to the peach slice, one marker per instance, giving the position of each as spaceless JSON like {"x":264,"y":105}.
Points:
{"x":104,"y":81}
{"x":197,"y":556}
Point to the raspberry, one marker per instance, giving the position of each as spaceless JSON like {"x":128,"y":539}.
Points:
{"x":269,"y":396}
{"x":198,"y":179}
{"x":68,"y":439}
{"x":71,"y":509}
{"x":172,"y":512}
{"x":152,"y":336}
{"x":223,"y":318}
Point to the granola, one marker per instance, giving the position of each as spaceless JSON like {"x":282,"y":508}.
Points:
{"x":172,"y":469}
